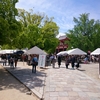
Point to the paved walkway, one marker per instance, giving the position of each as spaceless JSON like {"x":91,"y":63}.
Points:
{"x":68,"y":84}
{"x":58,"y":83}
{"x":35,"y":82}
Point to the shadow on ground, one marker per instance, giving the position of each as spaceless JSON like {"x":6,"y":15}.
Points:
{"x":7,"y":81}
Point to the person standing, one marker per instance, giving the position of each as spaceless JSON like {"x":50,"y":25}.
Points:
{"x":53,"y":60}
{"x":78,"y":62}
{"x":59,"y":60}
{"x":11,"y":62}
{"x":29,"y":59}
{"x":8,"y":59}
{"x":15,"y":60}
{"x":4,"y":60}
{"x":67,"y":61}
{"x":73,"y":61}
{"x":34,"y":63}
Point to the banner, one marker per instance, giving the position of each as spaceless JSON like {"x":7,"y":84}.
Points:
{"x":41,"y":61}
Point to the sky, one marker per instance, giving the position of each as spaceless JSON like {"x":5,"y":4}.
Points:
{"x":63,"y":11}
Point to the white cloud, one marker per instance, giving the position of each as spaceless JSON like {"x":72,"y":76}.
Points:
{"x":63,"y":11}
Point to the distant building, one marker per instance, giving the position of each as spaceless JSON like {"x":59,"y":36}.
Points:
{"x":62,"y":45}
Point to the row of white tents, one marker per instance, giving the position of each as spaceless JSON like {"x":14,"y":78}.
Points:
{"x":7,"y":51}
{"x":37,"y":50}
{"x":75,"y":51}
{"x":78,"y":51}
{"x":34,"y":50}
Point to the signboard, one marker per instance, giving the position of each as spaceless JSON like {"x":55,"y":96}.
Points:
{"x":41,"y":61}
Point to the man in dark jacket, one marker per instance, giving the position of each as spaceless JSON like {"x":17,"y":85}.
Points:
{"x":73,"y":61}
{"x":59,"y":60}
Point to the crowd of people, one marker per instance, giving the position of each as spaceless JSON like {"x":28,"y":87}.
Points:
{"x":74,"y":60}
{"x":11,"y":60}
{"x":68,"y":59}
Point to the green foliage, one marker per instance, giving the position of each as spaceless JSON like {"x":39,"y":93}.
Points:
{"x":38,"y":30}
{"x":9,"y":26}
{"x":4,"y":26}
{"x":85,"y":34}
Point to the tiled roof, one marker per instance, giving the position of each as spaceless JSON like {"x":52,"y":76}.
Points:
{"x":62,"y":37}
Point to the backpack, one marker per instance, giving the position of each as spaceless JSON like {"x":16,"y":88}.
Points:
{"x":34,"y":62}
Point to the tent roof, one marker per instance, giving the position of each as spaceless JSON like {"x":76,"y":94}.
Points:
{"x":7,"y":51}
{"x":62,"y":53}
{"x":76,"y":51}
{"x":35,"y":50}
{"x":96,"y":52}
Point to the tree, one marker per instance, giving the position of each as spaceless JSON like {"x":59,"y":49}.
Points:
{"x":9,"y":26}
{"x":96,"y":35}
{"x":49,"y":33}
{"x":38,"y":29}
{"x":84,"y":33}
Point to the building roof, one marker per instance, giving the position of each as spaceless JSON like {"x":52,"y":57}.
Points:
{"x":62,"y":37}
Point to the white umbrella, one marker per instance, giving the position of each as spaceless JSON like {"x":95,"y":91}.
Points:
{"x":76,"y":51}
{"x":96,"y":52}
{"x":62,"y":53}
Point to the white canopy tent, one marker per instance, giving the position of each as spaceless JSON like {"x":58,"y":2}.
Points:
{"x":96,"y":52}
{"x":7,"y":51}
{"x":35,"y":50}
{"x":42,"y":55}
{"x":76,"y":51}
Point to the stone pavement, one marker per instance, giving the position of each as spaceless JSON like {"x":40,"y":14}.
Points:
{"x":35,"y":82}
{"x":68,"y":84}
{"x":58,"y":83}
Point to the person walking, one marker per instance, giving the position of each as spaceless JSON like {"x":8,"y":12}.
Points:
{"x":8,"y":57}
{"x":53,"y":60}
{"x":4,"y":60}
{"x":72,"y":61}
{"x":29,"y":59}
{"x":78,"y":62}
{"x":11,"y":62}
{"x":15,"y":60}
{"x":67,"y":61}
{"x":59,"y":61}
{"x":34,"y":63}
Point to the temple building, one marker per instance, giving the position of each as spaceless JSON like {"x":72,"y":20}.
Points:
{"x":62,"y":44}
